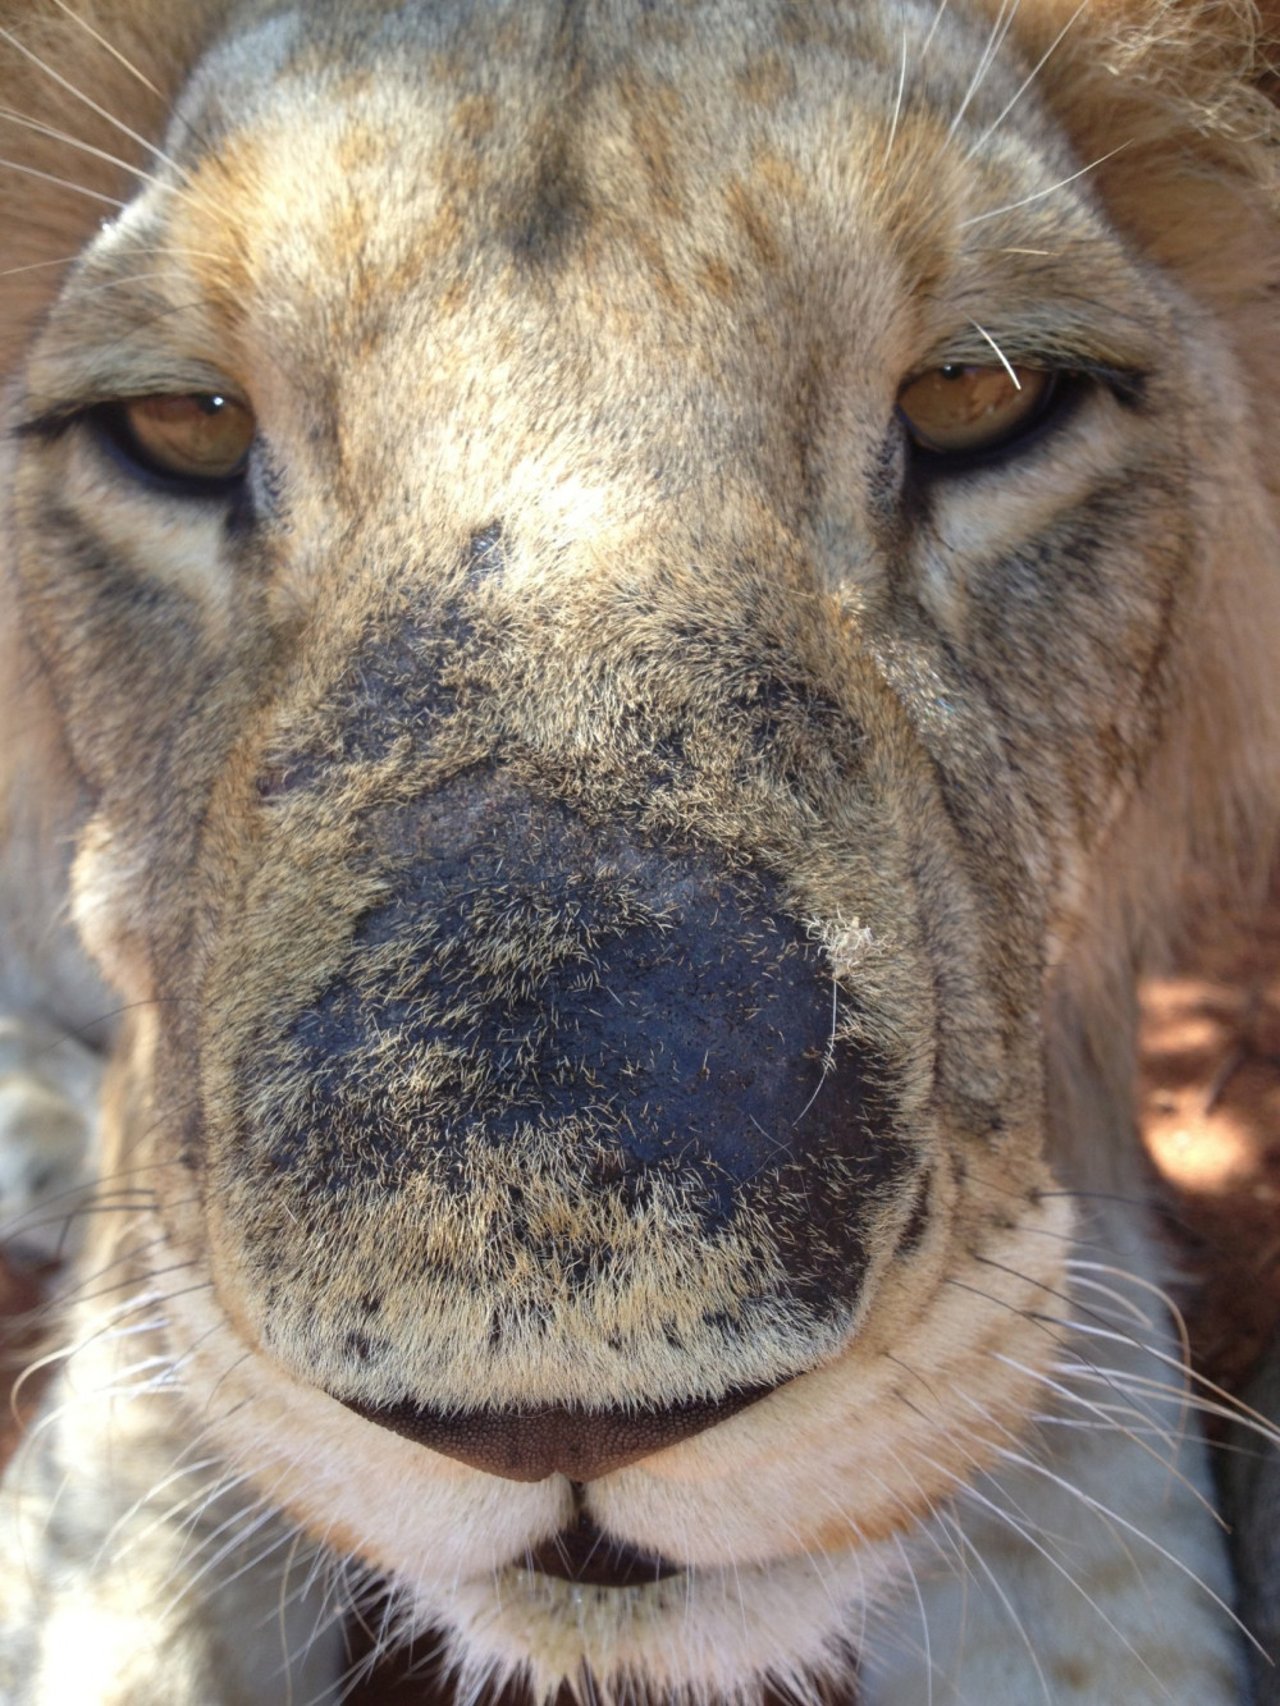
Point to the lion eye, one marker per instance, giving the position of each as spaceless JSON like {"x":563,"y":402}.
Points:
{"x":195,"y":440}
{"x":958,"y":410}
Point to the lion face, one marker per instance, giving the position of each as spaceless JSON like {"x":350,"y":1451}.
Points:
{"x":603,"y":712}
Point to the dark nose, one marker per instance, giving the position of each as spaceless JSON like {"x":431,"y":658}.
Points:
{"x":537,"y":972}
{"x":620,"y":1060}
{"x":555,"y":1439}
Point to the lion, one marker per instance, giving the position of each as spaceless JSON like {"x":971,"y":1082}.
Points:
{"x":623,"y":621}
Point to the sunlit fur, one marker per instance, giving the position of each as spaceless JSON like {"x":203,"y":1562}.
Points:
{"x":631,"y":290}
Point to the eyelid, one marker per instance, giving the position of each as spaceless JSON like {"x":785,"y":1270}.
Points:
{"x":1126,"y":383}
{"x":105,"y":420}
{"x":49,"y":425}
{"x":49,"y":421}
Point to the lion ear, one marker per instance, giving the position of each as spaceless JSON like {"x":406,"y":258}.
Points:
{"x":1174,"y":108}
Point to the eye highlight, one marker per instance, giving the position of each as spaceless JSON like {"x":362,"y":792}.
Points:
{"x":195,"y":442}
{"x":963,"y":411}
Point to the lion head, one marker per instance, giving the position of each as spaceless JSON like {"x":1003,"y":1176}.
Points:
{"x":646,"y":604}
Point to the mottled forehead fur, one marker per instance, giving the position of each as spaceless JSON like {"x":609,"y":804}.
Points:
{"x":497,"y":198}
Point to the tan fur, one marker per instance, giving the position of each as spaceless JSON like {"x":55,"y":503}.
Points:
{"x":589,"y":597}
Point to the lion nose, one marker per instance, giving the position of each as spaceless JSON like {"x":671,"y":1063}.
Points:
{"x":649,"y":1131}
{"x":534,"y":982}
{"x":555,"y":1439}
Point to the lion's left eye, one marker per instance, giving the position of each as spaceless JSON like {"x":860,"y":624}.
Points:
{"x":195,"y":442}
{"x":962,"y":411}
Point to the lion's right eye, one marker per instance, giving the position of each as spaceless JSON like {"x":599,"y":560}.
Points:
{"x":195,"y":443}
{"x":969,"y":411}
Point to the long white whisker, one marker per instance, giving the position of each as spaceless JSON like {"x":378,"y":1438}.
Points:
{"x":63,"y":183}
{"x":999,"y":29}
{"x":79,"y":95}
{"x":1229,"y":1409}
{"x":1124,"y":1304}
{"x":910,"y":1571}
{"x":1000,"y":355}
{"x":1056,"y":1327}
{"x":938,"y":16}
{"x":1027,"y":81}
{"x":115,"y":52}
{"x":1002,"y":1596}
{"x":897,"y":100}
{"x":10,"y":116}
{"x":1110,"y":1515}
{"x":40,"y":266}
{"x":1236,"y":1406}
{"x":1065,"y":1392}
{"x":1039,"y":195}
{"x":1002,"y":1515}
{"x":1078,"y":1264}
{"x":245,"y":1523}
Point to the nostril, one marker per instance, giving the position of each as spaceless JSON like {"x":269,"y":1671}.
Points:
{"x":555,"y":1439}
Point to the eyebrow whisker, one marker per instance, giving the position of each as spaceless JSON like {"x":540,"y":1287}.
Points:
{"x":20,"y":46}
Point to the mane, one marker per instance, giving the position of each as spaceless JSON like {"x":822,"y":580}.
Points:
{"x":1171,"y":105}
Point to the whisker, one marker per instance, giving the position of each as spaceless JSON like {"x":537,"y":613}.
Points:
{"x":63,"y":183}
{"x":909,"y":1568}
{"x":10,"y":116}
{"x":939,"y":14}
{"x":1058,"y":1330}
{"x":999,"y":30}
{"x":1125,"y":1305}
{"x":1230,"y":1409}
{"x":1075,"y":1264}
{"x":200,"y":1498}
{"x":1027,"y":81}
{"x":1000,"y":355}
{"x":115,"y":53}
{"x":39,"y":266}
{"x":1236,"y":1406}
{"x":19,"y":46}
{"x":1003,"y":1516}
{"x":1002,"y":1596}
{"x":281,"y":1617}
{"x":897,"y":100}
{"x":251,"y":1523}
{"x":1138,"y":1534}
{"x":1026,"y":201}
{"x":1065,"y":1392}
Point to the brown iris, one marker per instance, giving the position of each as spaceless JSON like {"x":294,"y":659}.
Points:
{"x":958,"y":410}
{"x":190,"y":437}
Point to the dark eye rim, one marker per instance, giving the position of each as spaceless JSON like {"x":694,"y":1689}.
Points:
{"x":112,"y":432}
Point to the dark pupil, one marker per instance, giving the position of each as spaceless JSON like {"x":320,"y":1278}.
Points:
{"x":952,"y":371}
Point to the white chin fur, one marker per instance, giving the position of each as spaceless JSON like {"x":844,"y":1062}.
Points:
{"x":722,"y":1633}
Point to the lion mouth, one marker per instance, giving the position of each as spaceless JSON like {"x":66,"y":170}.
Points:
{"x":585,"y":1555}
